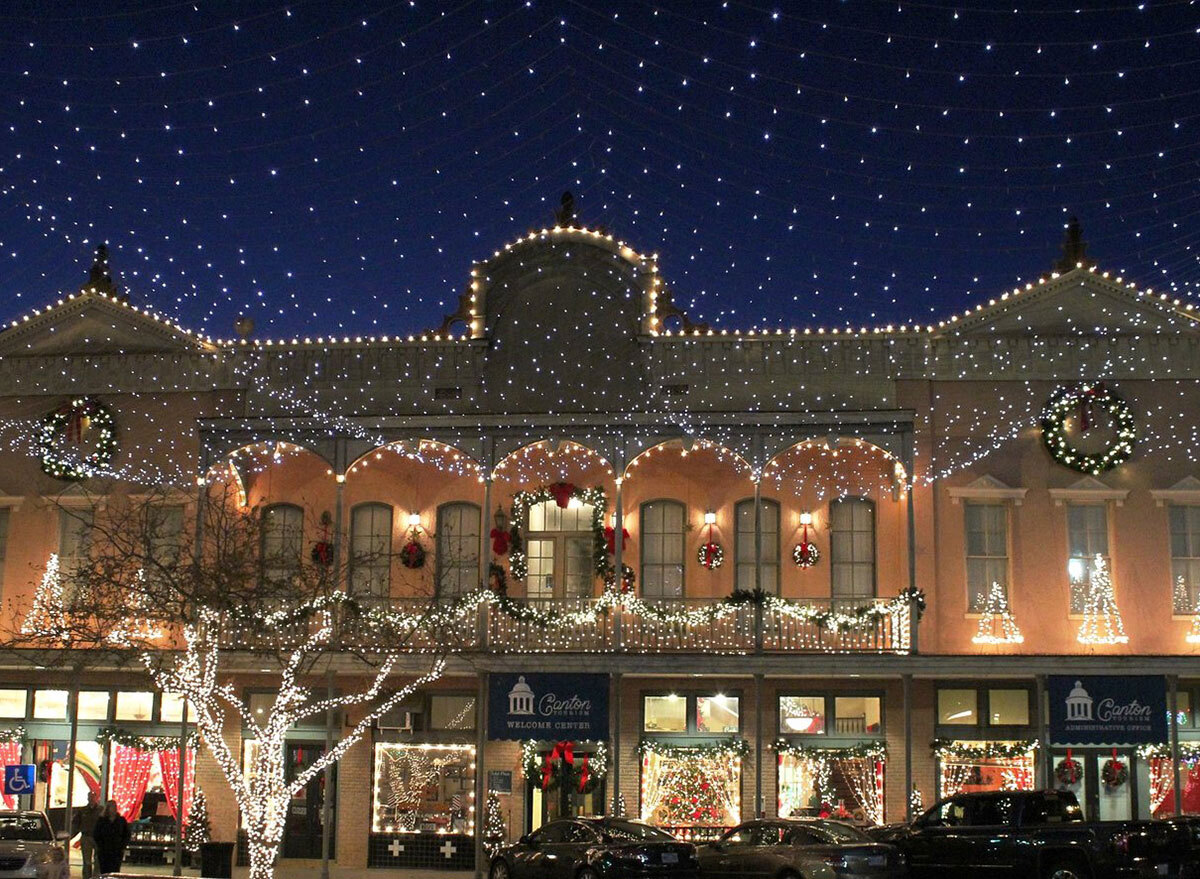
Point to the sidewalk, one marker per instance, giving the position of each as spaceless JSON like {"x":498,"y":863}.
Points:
{"x":302,"y":870}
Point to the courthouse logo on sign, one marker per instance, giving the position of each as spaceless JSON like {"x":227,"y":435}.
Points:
{"x":548,"y":706}
{"x":1108,"y":710}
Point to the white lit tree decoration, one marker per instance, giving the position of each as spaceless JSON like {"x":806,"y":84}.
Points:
{"x":1101,"y":617}
{"x":996,"y":624}
{"x":1193,"y":635}
{"x":48,"y":616}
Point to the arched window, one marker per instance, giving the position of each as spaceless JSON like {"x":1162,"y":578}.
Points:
{"x":457,"y":548}
{"x":744,"y":544}
{"x":559,"y":545}
{"x":852,"y":549}
{"x":282,"y":541}
{"x":371,"y":549}
{"x":662,"y":534}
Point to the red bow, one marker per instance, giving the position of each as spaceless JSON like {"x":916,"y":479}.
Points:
{"x":565,"y":750}
{"x":610,"y":537}
{"x":500,"y":542}
{"x":561,"y":492}
{"x":584,"y":775}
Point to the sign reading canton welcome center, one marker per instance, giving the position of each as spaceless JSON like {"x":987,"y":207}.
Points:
{"x":1108,"y":710}
{"x":548,"y":706}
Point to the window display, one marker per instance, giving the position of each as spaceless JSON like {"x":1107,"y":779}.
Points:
{"x":695,"y":792}
{"x":717,"y":714}
{"x":423,"y":788}
{"x":802,"y":715}
{"x":971,"y":767}
{"x":843,"y":783}
{"x":665,"y":714}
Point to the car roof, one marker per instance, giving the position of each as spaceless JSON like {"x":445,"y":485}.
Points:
{"x":21,"y":813}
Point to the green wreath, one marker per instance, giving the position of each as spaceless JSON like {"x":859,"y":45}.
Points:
{"x":1114,"y":773}
{"x":70,"y":420}
{"x":1068,"y":771}
{"x":1081,"y":398}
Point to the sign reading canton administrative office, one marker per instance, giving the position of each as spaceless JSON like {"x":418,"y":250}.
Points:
{"x":548,"y":706}
{"x":1108,"y":710}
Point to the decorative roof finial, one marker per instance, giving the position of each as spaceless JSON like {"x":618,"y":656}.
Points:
{"x":100,"y":279}
{"x":565,"y":215}
{"x":1074,"y":248}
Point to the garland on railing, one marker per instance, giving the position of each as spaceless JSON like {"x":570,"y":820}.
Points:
{"x":12,"y":734}
{"x":974,"y":751}
{"x":117,"y":735}
{"x":862,"y":750}
{"x":731,"y":747}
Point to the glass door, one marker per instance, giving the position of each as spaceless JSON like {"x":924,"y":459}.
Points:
{"x":559,"y":551}
{"x":1114,"y":800}
{"x":302,"y":829}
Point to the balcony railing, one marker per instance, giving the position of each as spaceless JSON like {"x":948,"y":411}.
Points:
{"x":611,"y":624}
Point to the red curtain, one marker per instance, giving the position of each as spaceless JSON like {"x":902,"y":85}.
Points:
{"x":130,"y":775}
{"x":168,"y":761}
{"x":10,"y":755}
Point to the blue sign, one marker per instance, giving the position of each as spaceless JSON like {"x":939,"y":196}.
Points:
{"x":18,"y":779}
{"x":557,"y":707}
{"x":1108,"y":710}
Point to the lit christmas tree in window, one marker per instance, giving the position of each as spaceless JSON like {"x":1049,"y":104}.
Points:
{"x":997,"y":625}
{"x":48,"y":616}
{"x":1101,"y":616}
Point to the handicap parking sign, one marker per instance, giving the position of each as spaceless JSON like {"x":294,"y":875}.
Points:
{"x":18,"y":779}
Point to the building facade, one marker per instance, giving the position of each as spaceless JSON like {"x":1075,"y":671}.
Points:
{"x":857,"y":564}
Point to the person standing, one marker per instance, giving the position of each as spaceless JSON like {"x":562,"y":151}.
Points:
{"x":111,"y":835}
{"x":85,"y":826}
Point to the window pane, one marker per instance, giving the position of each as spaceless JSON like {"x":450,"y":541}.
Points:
{"x":283,"y":539}
{"x":1185,"y":558}
{"x":93,"y":705}
{"x":451,"y":712}
{"x":802,"y":714}
{"x":5,"y":513}
{"x":744,"y":544}
{"x":371,"y":549}
{"x":135,"y":705}
{"x":957,"y":707}
{"x":662,"y":549}
{"x":717,"y":714}
{"x":664,"y":714}
{"x":852,"y":548}
{"x":458,"y":548}
{"x":1008,"y":707}
{"x":857,"y":715}
{"x":50,"y":704}
{"x":12,"y":703}
{"x":170,"y":708}
{"x":260,"y":706}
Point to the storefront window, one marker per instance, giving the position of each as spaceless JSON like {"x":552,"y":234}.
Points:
{"x":88,"y":760}
{"x":12,"y":703}
{"x":694,"y":793}
{"x":1008,"y":707}
{"x":971,"y":767}
{"x":93,"y":705}
{"x":717,"y":714}
{"x":423,"y":788}
{"x":49,"y":704}
{"x":665,"y":714}
{"x":132,"y":705}
{"x":857,"y":715}
{"x":957,"y":707}
{"x":849,"y":787}
{"x":801,"y":715}
{"x":451,"y":712}
{"x":1183,"y":708}
{"x":170,"y":709}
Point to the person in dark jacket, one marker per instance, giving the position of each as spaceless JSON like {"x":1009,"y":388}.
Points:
{"x":111,"y":835}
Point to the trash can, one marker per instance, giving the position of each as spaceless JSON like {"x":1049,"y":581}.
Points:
{"x":216,"y":860}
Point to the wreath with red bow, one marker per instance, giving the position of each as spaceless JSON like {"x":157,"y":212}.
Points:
{"x":581,"y":771}
{"x":711,"y":555}
{"x":65,"y":433}
{"x":412,"y":554}
{"x":1081,"y":401}
{"x":1114,"y":773}
{"x":1068,"y":771}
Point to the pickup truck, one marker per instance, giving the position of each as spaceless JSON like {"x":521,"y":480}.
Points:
{"x":1037,"y":835}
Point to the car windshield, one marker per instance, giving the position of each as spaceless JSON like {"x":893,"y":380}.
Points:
{"x":24,"y":827}
{"x":841,"y":834}
{"x":634,"y":830}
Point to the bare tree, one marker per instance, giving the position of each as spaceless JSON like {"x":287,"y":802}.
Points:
{"x":195,"y":601}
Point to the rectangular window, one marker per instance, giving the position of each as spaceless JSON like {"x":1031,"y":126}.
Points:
{"x":1087,"y":537}
{"x":717,"y":714}
{"x":458,"y":549}
{"x":371,"y":549}
{"x":662,"y":549}
{"x":958,"y":707}
{"x":74,"y":538}
{"x":170,"y":709}
{"x":852,"y":547}
{"x":857,"y":715}
{"x":12,"y":703}
{"x":283,"y":541}
{"x":1185,"y":557}
{"x":164,"y":530}
{"x":260,"y":705}
{"x":5,"y":515}
{"x":802,"y":715}
{"x":133,"y":705}
{"x":664,"y":714}
{"x":451,"y":712}
{"x":1008,"y":707}
{"x":93,"y":705}
{"x":987,"y":552}
{"x":744,"y":548}
{"x":49,"y":704}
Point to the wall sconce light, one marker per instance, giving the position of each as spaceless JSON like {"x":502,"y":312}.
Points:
{"x":710,"y":518}
{"x":414,"y":520}
{"x":806,"y":518}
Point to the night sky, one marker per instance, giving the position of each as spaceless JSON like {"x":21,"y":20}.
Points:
{"x":333,"y":166}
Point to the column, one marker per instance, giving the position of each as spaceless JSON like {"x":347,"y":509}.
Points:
{"x":615,"y":725}
{"x":1173,"y":695}
{"x":906,"y":681}
{"x":480,"y":773}
{"x":339,"y":457}
{"x":618,"y":559}
{"x":1045,"y":765}
{"x":759,"y":684}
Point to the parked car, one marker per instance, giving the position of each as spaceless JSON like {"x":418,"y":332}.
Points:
{"x":29,"y":848}
{"x":798,"y":848}
{"x":1040,"y":835}
{"x":595,"y":848}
